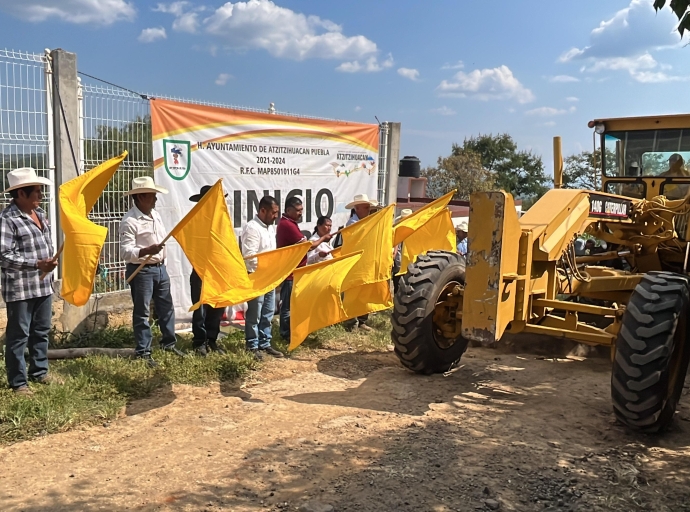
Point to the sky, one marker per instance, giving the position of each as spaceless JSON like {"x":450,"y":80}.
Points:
{"x":445,"y":69}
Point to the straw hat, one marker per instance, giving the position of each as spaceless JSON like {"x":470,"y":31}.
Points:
{"x":405,"y":212}
{"x":462,"y":227}
{"x":145,"y":185}
{"x":361,"y":199}
{"x":197,"y":197}
{"x":25,"y":177}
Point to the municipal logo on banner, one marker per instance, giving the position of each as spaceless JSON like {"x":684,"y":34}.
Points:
{"x":177,"y":158}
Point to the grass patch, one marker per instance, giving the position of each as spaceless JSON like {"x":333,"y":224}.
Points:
{"x":97,"y":388}
{"x":337,"y":338}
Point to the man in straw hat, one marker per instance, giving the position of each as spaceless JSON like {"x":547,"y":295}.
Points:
{"x":361,"y":206}
{"x":141,"y":235}
{"x":205,"y":319}
{"x":26,"y":251}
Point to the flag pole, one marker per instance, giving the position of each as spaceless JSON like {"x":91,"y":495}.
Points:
{"x":142,"y":264}
{"x":145,"y":262}
{"x":57,"y":255}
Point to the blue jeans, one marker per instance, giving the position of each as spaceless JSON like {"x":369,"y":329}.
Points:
{"x":257,"y":321}
{"x":152,"y":282}
{"x":28,"y":323}
{"x":285,"y":292}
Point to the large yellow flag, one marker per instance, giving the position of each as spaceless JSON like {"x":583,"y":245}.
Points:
{"x":208,"y":240}
{"x":368,"y":298}
{"x":410,"y":224}
{"x":83,"y":240}
{"x":271,"y":269}
{"x":316,"y":298}
{"x":373,"y":236}
{"x":437,"y":234}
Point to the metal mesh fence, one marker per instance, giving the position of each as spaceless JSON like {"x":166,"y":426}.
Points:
{"x":114,"y":120}
{"x":25,"y":120}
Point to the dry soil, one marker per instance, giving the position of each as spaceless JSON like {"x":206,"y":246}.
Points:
{"x":356,"y":431}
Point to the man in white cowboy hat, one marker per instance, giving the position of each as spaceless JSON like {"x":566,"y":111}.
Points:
{"x":26,"y":251}
{"x":361,"y":204}
{"x":205,"y":319}
{"x":361,"y":207}
{"x":141,"y":235}
{"x":461,"y":236}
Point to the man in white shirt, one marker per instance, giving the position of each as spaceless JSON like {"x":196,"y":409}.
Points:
{"x":141,"y":236}
{"x":259,"y":235}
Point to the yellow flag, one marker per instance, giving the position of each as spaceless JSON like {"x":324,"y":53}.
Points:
{"x":208,"y":240}
{"x":437,"y":234}
{"x":271,"y":269}
{"x":83,"y":240}
{"x":410,"y":224}
{"x":367,"y":298}
{"x":206,"y":236}
{"x":373,"y":236}
{"x":315,"y":300}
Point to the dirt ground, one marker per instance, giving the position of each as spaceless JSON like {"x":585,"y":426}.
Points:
{"x":356,"y":431}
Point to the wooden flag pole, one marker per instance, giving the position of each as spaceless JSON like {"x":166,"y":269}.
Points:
{"x":57,"y":255}
{"x":145,"y":262}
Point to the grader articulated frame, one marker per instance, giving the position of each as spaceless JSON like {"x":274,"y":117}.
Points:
{"x":522,"y":275}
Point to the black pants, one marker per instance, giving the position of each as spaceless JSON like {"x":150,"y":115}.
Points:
{"x":354,"y":322}
{"x":205,"y":320}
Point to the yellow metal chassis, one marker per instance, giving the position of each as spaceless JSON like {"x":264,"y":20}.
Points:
{"x":513,"y":283}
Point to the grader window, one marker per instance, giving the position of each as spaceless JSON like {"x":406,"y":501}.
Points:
{"x":647,"y":153}
{"x":636,"y":190}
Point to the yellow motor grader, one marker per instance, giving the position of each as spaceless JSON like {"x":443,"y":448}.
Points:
{"x":531,"y":274}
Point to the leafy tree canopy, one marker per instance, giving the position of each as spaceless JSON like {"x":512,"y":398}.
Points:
{"x":462,"y":171}
{"x":681,"y":8}
{"x":519,"y":172}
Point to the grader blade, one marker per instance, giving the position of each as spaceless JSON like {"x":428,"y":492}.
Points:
{"x":492,"y":265}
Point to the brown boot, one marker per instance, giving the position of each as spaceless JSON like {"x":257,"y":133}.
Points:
{"x":23,"y":391}
{"x":49,"y":378}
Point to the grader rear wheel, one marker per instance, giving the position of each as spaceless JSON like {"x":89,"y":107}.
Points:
{"x":428,"y":313}
{"x":652,"y":352}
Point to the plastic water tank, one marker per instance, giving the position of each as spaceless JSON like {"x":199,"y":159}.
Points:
{"x":409,"y":167}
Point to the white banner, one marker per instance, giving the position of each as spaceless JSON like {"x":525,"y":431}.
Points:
{"x":324,"y":162}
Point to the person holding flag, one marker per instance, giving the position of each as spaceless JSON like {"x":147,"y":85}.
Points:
{"x":205,"y":319}
{"x":26,"y":250}
{"x":141,"y":243}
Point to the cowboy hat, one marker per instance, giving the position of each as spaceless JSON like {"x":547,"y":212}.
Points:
{"x":197,"y":197}
{"x":25,"y":177}
{"x":361,"y":199}
{"x":405,"y":212}
{"x":145,"y":185}
{"x":462,"y":226}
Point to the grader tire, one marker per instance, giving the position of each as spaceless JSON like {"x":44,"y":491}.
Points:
{"x":652,"y":352}
{"x":416,"y":345}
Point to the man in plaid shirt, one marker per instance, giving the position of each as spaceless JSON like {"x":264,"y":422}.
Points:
{"x":26,"y":251}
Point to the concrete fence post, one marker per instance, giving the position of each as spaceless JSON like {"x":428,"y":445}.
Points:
{"x":65,"y":121}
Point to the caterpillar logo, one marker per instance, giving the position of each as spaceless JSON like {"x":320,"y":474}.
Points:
{"x":609,"y":207}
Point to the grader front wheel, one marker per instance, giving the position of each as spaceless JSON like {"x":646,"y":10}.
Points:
{"x":652,"y":352}
{"x":428,"y":313}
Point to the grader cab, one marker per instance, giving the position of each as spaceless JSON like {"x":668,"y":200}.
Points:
{"x":525,"y":275}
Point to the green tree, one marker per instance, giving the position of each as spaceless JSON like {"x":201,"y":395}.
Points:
{"x":582,"y":171}
{"x":109,"y":141}
{"x":462,"y":171}
{"x":681,"y":8}
{"x":519,"y":172}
